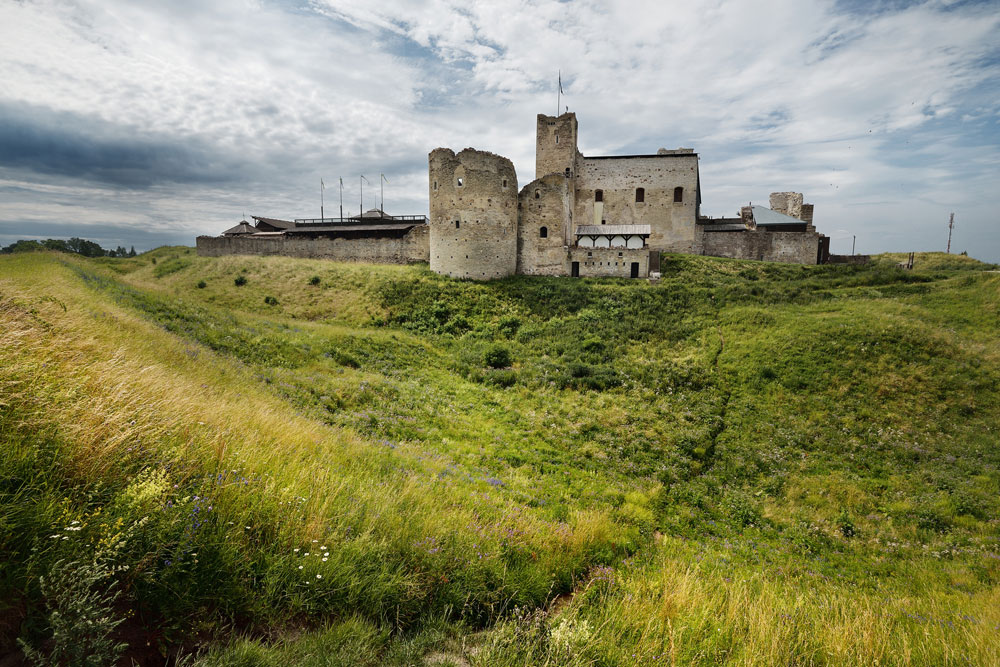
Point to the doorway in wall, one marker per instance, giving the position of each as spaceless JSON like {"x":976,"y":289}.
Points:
{"x":575,"y":270}
{"x":635,"y":269}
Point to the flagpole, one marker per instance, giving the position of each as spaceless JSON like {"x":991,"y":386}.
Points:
{"x":381,"y":190}
{"x":341,"y":198}
{"x":559,"y":94}
{"x":361,"y":207}
{"x":321,"y":186}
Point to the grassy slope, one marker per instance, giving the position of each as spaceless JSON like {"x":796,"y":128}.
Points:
{"x":755,"y":462}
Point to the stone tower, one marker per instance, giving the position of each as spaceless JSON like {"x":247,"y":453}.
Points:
{"x":555,"y":145}
{"x":473,"y":205}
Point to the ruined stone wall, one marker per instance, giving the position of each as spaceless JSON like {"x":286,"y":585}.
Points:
{"x":604,"y":262}
{"x":789,"y":203}
{"x":413,"y":247}
{"x":473,"y":206}
{"x":543,"y":203}
{"x":672,"y":223}
{"x":789,"y":247}
{"x":555,"y":144}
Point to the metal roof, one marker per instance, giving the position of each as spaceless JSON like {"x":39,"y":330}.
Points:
{"x":274,"y":222}
{"x":613,"y":230}
{"x":765,"y":216}
{"x":242,"y":228}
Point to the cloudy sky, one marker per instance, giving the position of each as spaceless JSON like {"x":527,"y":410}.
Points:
{"x":145,"y":123}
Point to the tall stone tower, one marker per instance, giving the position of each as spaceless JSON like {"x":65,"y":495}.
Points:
{"x":555,"y":145}
{"x":473,"y":205}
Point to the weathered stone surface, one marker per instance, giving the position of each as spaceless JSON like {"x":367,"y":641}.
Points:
{"x":411,"y":248}
{"x":473,"y":224}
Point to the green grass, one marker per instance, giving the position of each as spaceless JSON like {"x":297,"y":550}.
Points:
{"x":593,"y":471}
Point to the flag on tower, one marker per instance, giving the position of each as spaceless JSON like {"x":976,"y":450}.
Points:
{"x":560,"y":82}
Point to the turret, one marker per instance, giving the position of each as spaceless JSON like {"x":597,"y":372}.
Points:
{"x":555,"y":145}
{"x":473,"y":205}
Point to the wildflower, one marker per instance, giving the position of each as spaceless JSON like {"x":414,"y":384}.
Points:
{"x":300,"y":567}
{"x":319,"y":576}
{"x":323,"y":548}
{"x":324,"y":560}
{"x":307,"y":553}
{"x":295,"y":550}
{"x":315,"y":541}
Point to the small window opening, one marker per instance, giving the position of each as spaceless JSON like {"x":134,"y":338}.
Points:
{"x":456,"y":224}
{"x":505,"y":182}
{"x":679,"y":194}
{"x":640,"y":195}
{"x":544,"y":232}
{"x":459,"y":181}
{"x":604,"y":222}
{"x":435,"y":185}
{"x":537,"y":194}
{"x":567,"y":172}
{"x":598,"y":195}
{"x":557,"y":138}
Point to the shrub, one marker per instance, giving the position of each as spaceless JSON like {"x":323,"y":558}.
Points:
{"x":240,"y":281}
{"x":80,"y":602}
{"x":202,"y":284}
{"x":501,"y":377}
{"x":270,"y":300}
{"x":742,"y":512}
{"x":314,"y":280}
{"x":497,"y":356}
{"x":509,"y":324}
{"x":846,"y":524}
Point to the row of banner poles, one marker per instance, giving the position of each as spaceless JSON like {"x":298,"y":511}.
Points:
{"x":322,"y":190}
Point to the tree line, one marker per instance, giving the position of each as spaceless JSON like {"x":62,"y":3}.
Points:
{"x":76,"y":245}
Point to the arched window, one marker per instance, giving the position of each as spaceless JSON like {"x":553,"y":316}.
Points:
{"x":537,"y":194}
{"x":567,"y":172}
{"x":459,"y":181}
{"x":598,"y":195}
{"x":640,"y":195}
{"x":544,"y":232}
{"x":678,"y":194}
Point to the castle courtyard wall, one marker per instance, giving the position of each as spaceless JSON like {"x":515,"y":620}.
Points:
{"x":788,"y":247}
{"x":408,"y":249}
{"x":672,"y":224}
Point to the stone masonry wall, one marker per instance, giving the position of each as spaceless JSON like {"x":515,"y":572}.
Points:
{"x":555,"y":144}
{"x":413,"y":247}
{"x":603,"y":262}
{"x":473,"y":206}
{"x":543,"y":203}
{"x":672,"y":223}
{"x":789,"y":203}
{"x":789,"y":247}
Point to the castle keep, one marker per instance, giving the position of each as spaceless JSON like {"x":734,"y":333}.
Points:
{"x":581,"y":216}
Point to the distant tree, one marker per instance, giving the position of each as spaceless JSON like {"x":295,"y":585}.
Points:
{"x":131,"y":253}
{"x":23,"y":246}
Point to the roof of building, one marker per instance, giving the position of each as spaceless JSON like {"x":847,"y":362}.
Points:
{"x":630,"y":157}
{"x":767,"y":217}
{"x":613,"y":230}
{"x":274,"y":222}
{"x":376,"y":213}
{"x":242,"y":228}
{"x":401,"y":226}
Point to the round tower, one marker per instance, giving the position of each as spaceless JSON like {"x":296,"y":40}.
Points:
{"x":473,"y":205}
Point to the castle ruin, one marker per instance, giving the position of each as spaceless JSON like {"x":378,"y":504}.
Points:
{"x":581,"y":216}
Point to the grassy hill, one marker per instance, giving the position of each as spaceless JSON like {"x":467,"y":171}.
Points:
{"x":256,"y":461}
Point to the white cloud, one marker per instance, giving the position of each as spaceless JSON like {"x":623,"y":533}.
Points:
{"x":781,"y":94}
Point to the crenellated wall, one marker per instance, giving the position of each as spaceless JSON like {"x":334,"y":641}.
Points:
{"x":473,"y":206}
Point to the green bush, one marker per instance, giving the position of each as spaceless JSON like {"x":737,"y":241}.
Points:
{"x":240,"y":281}
{"x":80,"y":599}
{"x":497,"y":356}
{"x":846,"y":524}
{"x":314,"y":280}
{"x":202,"y":284}
{"x":270,"y":300}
